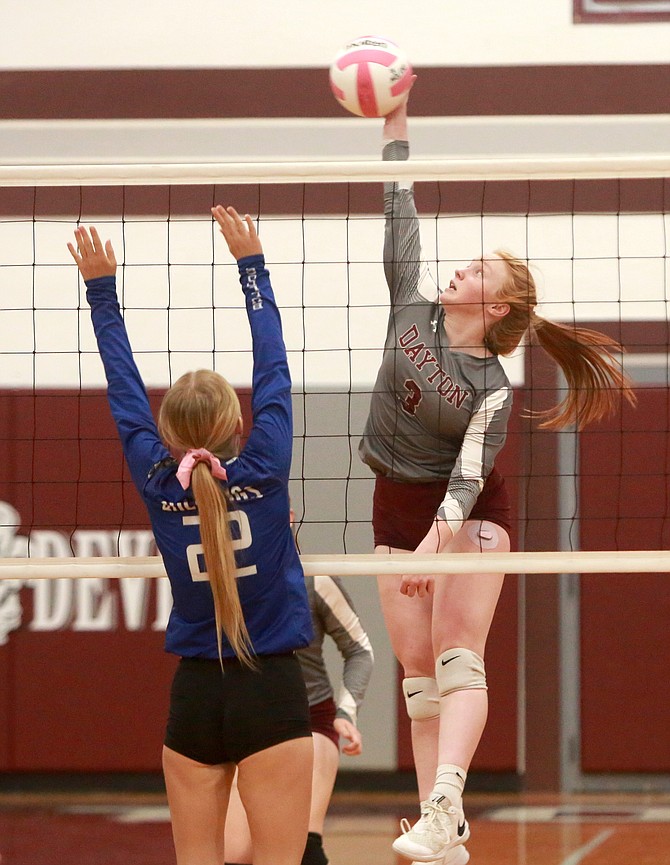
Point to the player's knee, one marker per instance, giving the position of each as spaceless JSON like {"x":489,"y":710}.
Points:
{"x":459,"y":670}
{"x":421,"y":698}
{"x":314,"y":853}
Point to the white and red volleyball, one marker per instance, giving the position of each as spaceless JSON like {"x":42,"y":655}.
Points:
{"x":370,"y":76}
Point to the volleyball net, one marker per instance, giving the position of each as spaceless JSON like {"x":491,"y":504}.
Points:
{"x":595,"y":232}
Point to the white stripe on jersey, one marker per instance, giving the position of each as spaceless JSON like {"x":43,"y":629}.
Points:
{"x":330,"y":593}
{"x":471,"y":457}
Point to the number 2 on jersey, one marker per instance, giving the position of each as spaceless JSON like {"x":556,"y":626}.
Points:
{"x":194,"y":552}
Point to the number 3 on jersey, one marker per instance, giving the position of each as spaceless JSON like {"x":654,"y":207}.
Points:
{"x":194,"y":553}
{"x":413,"y":398}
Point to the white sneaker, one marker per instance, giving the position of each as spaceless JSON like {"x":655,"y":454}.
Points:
{"x":456,"y":856}
{"x":437,"y":831}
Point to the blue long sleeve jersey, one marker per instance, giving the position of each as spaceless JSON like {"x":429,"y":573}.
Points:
{"x":270,"y":578}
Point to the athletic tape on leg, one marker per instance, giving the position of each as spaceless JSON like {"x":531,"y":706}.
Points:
{"x":459,"y":670}
{"x":421,"y":698}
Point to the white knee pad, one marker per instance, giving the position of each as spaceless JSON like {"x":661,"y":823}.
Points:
{"x":421,"y":698}
{"x":459,"y":670}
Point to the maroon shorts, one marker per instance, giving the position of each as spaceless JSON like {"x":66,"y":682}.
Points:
{"x":403,"y":513}
{"x":322,"y":718}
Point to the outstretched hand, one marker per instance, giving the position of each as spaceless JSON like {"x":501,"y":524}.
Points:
{"x":92,"y":259}
{"x":240,"y":234}
{"x":395,"y":123}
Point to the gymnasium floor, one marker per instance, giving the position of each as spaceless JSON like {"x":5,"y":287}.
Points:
{"x":97,"y":829}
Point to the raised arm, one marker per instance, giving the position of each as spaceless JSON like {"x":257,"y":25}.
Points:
{"x":402,"y":242}
{"x":270,"y":442}
{"x":126,"y":393}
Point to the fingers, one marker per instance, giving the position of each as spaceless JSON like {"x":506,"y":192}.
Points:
{"x":239,"y":232}
{"x":109,"y":251}
{"x":95,"y":239}
{"x":348,"y":731}
{"x":86,"y":243}
{"x":74,"y":253}
{"x":355,"y":745}
{"x":251,"y":226}
{"x":231,"y":223}
{"x":227,"y":217}
{"x":219,"y":213}
{"x":91,"y":257}
{"x":81,"y":238}
{"x":417,"y":586}
{"x":90,"y":244}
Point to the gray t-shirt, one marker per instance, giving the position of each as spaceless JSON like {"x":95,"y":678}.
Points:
{"x":435,"y":413}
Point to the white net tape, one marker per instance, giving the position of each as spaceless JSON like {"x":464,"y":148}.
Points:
{"x":593,"y":562}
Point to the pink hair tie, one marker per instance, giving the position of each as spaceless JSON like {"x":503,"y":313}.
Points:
{"x":199,"y":455}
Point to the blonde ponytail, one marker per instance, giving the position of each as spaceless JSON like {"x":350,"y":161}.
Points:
{"x":201,"y":410}
{"x":217,"y":545}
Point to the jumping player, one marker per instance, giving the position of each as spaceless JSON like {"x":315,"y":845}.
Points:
{"x":333,"y":613}
{"x":438,"y":419}
{"x":221,"y":522}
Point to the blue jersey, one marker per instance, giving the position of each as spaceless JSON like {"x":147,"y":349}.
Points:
{"x":270,"y":578}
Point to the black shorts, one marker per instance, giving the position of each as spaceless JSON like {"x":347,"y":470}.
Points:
{"x":322,"y":719}
{"x":402,"y":513}
{"x":222,"y":717}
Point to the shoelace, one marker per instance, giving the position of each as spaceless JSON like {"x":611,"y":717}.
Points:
{"x":429,"y":812}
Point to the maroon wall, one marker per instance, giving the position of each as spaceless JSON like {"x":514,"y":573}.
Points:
{"x":84,"y":679}
{"x":625,"y":689}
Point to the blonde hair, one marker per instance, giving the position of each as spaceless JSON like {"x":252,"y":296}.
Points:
{"x":588,"y":359}
{"x":201,"y":410}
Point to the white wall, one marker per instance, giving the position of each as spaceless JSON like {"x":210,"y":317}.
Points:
{"x":36,"y":34}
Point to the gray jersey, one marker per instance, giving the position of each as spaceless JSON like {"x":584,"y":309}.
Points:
{"x":333,"y":613}
{"x":435,"y":413}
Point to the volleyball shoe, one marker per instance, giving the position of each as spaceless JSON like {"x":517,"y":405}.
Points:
{"x":436,"y":833}
{"x":455,"y":856}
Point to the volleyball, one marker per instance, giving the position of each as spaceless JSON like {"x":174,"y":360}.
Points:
{"x":370,"y":76}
